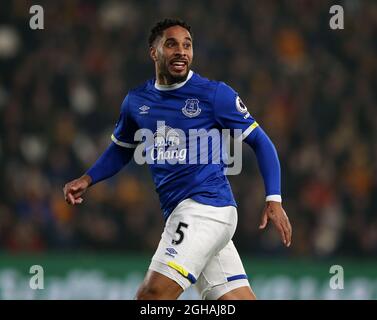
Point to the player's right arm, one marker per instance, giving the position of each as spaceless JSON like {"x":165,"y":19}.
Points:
{"x":109,"y":163}
{"x":115,"y":157}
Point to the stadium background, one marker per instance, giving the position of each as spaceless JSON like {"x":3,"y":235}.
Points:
{"x":310,"y":87}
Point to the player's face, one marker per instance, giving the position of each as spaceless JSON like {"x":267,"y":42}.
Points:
{"x":173,"y":54}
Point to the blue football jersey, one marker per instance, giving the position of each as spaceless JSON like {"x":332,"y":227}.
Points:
{"x":170,"y":112}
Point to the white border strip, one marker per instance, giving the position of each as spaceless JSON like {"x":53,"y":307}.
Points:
{"x":122,"y":144}
{"x":173,"y":86}
{"x":249,"y":129}
{"x":274,"y":197}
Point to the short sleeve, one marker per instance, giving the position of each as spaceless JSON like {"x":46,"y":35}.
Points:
{"x":230,"y":111}
{"x":125,"y":128}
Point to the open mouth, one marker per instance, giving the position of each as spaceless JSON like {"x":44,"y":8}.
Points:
{"x":178,"y":65}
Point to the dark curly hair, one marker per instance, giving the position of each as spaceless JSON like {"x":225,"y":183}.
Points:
{"x":162,"y":25}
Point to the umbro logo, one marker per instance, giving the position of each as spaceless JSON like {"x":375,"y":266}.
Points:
{"x":144,"y":109}
{"x":171,"y":252}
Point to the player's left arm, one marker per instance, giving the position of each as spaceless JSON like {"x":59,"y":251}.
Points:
{"x":269,"y":167}
{"x":230,"y":112}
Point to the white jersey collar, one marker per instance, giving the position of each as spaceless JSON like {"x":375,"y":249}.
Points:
{"x":173,"y":86}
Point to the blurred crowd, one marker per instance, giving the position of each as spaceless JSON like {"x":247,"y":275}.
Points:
{"x":311,"y":88}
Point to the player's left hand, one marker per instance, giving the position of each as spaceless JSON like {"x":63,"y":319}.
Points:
{"x":275,"y":212}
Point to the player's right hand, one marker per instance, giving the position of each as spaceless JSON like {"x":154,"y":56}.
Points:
{"x":74,"y":189}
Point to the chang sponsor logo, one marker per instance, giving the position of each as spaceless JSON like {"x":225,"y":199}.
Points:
{"x":169,"y":145}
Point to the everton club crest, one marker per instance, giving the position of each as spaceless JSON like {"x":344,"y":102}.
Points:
{"x":191,"y":108}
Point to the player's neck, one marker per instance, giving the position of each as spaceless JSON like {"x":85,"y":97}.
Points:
{"x":164,"y":80}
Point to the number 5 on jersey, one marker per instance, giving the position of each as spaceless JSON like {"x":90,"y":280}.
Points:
{"x":180,"y":233}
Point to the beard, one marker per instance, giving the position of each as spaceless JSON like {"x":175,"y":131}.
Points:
{"x":172,"y":77}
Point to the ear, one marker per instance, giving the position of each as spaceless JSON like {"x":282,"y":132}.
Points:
{"x":153,"y":53}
